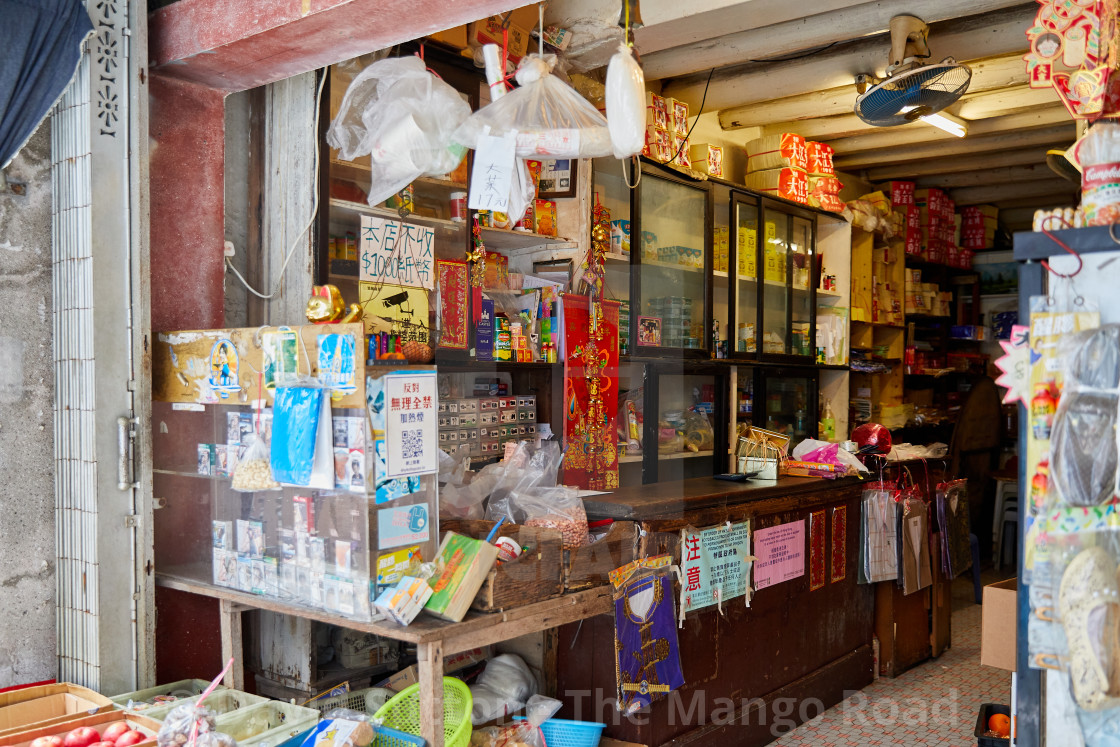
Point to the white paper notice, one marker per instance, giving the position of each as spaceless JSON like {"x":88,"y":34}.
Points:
{"x":492,"y":175}
{"x":411,"y":438}
{"x":396,"y":253}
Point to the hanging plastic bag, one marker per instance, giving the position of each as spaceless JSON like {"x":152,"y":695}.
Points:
{"x":879,"y":534}
{"x":953,"y":522}
{"x":524,"y":731}
{"x":626,"y":103}
{"x":302,"y":452}
{"x":253,"y":472}
{"x":551,"y":119}
{"x":402,"y":116}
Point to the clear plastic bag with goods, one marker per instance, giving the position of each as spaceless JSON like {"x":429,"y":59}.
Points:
{"x":626,"y":103}
{"x":522,"y":732}
{"x":1083,"y":441}
{"x":551,"y":119}
{"x":253,"y":472}
{"x":186,"y":723}
{"x":402,"y":116}
{"x":527,"y":494}
{"x":502,"y":688}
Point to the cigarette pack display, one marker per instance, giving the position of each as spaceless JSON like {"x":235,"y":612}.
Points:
{"x":222,"y":535}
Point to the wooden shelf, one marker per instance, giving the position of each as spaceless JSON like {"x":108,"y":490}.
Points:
{"x":631,"y":458}
{"x":356,"y":210}
{"x":686,"y":454}
{"x":670,"y":266}
{"x":360,"y":172}
{"x":503,"y":238}
{"x":624,"y":258}
{"x":828,"y":294}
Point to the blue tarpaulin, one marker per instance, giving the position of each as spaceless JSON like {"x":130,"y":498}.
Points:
{"x":40,"y":46}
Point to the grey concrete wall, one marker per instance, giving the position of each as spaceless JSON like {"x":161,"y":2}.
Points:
{"x":27,"y":525}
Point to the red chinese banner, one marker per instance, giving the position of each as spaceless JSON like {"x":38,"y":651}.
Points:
{"x":839,"y":568}
{"x":591,"y":393}
{"x":453,"y":280}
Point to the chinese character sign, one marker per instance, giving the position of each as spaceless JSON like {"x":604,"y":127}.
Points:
{"x":492,"y":175}
{"x":396,"y":252}
{"x":410,"y":424}
{"x":779,"y":554}
{"x":715,"y":565}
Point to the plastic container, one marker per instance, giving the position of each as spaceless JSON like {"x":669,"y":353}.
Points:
{"x":219,"y":701}
{"x":559,"y":732}
{"x":402,"y":712}
{"x":181,"y":689}
{"x":987,"y":710}
{"x":267,"y":724}
{"x":367,"y":700}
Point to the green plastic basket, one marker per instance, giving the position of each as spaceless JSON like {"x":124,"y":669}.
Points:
{"x":402,"y":712}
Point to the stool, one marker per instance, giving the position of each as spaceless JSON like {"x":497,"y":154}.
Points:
{"x":974,"y":546}
{"x":1007,"y":491}
{"x":1010,"y":516}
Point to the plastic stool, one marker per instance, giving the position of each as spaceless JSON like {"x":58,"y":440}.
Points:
{"x":1010,"y":516}
{"x":1007,"y":492}
{"x":977,"y":589}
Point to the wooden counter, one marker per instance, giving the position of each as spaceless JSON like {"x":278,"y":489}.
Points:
{"x":745,"y":668}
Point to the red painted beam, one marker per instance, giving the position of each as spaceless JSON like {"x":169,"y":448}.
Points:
{"x":186,"y":182}
{"x":239,"y":45}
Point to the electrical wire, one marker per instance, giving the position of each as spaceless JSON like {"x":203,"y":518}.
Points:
{"x":310,"y":221}
{"x":695,"y":121}
{"x":800,"y":56}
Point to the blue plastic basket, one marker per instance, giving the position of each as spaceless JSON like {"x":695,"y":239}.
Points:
{"x":559,"y":732}
{"x":387,"y":737}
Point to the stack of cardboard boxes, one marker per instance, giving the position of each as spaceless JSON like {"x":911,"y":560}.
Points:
{"x":667,"y":131}
{"x":978,"y":229}
{"x":777,"y":165}
{"x":926,"y":298}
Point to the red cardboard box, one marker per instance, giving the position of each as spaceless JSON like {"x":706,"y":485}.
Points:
{"x":902,"y":193}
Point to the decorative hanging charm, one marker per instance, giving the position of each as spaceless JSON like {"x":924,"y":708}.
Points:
{"x":476,"y":255}
{"x":1075,"y":48}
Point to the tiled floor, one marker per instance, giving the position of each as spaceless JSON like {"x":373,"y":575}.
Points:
{"x":933,"y":704}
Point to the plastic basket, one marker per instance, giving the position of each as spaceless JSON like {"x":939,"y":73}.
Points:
{"x":219,"y":701}
{"x":560,"y":732}
{"x":387,"y":737}
{"x":267,"y":724}
{"x":366,"y":700}
{"x":180,"y":690}
{"x":402,"y":712}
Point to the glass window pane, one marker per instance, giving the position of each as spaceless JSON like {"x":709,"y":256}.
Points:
{"x":672,"y":279}
{"x":775,"y":316}
{"x":746,"y":303}
{"x":801,"y":247}
{"x":788,"y":411}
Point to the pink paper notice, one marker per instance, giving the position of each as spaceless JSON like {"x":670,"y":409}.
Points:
{"x":780,"y":553}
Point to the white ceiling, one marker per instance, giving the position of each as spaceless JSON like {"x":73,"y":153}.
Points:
{"x":1011,"y":126}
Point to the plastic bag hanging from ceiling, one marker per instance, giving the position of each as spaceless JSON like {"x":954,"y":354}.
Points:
{"x":626,"y":103}
{"x":551,"y":118}
{"x":402,"y":116}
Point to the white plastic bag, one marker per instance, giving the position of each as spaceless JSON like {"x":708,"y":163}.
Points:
{"x":402,"y":116}
{"x":552,"y":120}
{"x":626,"y":103}
{"x":502,"y":688}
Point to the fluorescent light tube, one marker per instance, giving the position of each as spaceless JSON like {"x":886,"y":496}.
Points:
{"x":948,"y":123}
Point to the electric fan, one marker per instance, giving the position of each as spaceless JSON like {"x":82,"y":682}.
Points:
{"x":911,"y":89}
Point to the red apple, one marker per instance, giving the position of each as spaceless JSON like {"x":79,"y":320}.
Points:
{"x":113,"y":731}
{"x":130,"y":738}
{"x":52,"y":741}
{"x":102,"y":744}
{"x":83,"y":736}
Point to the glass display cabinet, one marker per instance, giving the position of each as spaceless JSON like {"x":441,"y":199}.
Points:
{"x":670,"y":282}
{"x":784,"y":400}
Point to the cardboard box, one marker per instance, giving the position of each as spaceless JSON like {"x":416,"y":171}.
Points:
{"x":998,"y":625}
{"x":45,"y":705}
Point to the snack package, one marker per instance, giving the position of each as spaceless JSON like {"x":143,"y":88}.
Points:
{"x":551,"y":119}
{"x":253,"y":471}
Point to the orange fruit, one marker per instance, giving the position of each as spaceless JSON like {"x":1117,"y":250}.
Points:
{"x":1000,"y":724}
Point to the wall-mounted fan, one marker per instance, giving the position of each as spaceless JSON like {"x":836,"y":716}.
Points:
{"x":911,"y":89}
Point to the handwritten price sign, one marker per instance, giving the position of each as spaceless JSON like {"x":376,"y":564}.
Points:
{"x":396,"y":252}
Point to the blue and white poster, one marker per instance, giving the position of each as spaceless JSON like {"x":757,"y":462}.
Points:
{"x":715,"y":565}
{"x":402,"y":525}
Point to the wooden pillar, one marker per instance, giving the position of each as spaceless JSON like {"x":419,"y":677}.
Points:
{"x":430,"y":664}
{"x":230,"y":616}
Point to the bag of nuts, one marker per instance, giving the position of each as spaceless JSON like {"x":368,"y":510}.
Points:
{"x":253,"y":472}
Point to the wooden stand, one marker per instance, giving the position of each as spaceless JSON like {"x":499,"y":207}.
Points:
{"x":434,"y":639}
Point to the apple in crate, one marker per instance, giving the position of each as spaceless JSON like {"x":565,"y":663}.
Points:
{"x":113,"y":731}
{"x":51,"y":741}
{"x":102,"y":744}
{"x":83,"y":736}
{"x":129,"y":738}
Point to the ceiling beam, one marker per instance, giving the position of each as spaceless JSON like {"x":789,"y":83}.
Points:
{"x":957,"y":147}
{"x":800,"y":29}
{"x":669,"y":24}
{"x":987,"y":75}
{"x":1006,"y":175}
{"x":997,"y":34}
{"x":971,"y":162}
{"x":991,"y":193}
{"x":886,"y":137}
{"x":1008,"y":101}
